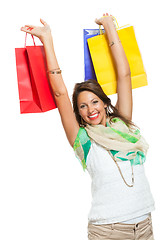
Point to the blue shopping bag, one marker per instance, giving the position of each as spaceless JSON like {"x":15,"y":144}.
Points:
{"x":89,"y":72}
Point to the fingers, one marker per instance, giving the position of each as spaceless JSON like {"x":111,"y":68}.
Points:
{"x":43,"y":22}
{"x":30,"y":26}
{"x":26,"y":29}
{"x":97,"y":21}
{"x":106,"y":15}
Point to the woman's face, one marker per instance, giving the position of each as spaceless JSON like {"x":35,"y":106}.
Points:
{"x":91,"y":108}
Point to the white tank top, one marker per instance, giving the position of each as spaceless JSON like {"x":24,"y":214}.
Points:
{"x":112,"y":200}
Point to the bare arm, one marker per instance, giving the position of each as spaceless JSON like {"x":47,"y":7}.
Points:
{"x":124,"y":88}
{"x":59,"y":89}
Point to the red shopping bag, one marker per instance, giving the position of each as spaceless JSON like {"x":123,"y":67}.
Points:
{"x":35,"y":93}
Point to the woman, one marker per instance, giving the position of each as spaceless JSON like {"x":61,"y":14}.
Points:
{"x":106,"y":142}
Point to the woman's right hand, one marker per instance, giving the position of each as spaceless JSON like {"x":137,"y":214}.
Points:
{"x":43,"y":33}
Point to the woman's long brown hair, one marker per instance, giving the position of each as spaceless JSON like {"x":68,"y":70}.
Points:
{"x":94,"y":87}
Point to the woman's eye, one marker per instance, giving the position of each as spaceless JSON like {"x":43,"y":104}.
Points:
{"x":95,"y":101}
{"x":82,"y":106}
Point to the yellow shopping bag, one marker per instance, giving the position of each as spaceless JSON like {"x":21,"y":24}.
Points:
{"x":104,"y":65}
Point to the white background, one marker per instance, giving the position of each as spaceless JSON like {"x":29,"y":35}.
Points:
{"x":44,"y":193}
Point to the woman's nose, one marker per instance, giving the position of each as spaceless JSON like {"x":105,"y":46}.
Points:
{"x":90,"y":109}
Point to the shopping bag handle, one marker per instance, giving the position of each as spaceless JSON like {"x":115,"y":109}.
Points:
{"x":26,"y":40}
{"x":115,"y":23}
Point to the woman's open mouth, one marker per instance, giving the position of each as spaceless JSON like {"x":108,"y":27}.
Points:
{"x":94,"y":116}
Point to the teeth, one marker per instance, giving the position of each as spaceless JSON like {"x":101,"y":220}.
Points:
{"x":95,"y":115}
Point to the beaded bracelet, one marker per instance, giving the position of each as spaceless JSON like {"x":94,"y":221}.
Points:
{"x":55,"y":71}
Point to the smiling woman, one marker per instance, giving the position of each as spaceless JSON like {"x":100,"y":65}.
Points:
{"x":89,"y":99}
{"x":102,"y":135}
{"x":91,"y":108}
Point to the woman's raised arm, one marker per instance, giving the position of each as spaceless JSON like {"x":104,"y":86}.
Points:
{"x":124,"y":86}
{"x":60,"y":92}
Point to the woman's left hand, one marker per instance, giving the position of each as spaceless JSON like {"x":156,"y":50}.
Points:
{"x":106,"y":18}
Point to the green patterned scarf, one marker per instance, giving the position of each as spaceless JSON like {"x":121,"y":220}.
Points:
{"x":123,"y":143}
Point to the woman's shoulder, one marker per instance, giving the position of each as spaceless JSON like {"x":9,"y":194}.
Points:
{"x":82,"y":146}
{"x":82,"y":137}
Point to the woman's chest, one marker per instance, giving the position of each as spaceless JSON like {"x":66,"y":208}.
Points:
{"x":100,"y":163}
